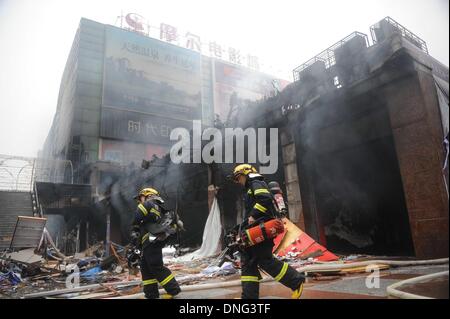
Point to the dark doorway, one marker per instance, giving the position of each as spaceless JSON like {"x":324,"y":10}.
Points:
{"x":360,"y":202}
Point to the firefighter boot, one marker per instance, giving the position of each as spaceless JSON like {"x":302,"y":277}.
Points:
{"x":298,"y":292}
{"x":151,"y":289}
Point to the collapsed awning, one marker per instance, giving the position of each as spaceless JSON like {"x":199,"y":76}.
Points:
{"x":295,"y":243}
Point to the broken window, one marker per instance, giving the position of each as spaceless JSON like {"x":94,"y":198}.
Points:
{"x":336,"y":82}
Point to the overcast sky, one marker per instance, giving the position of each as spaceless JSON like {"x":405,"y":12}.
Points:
{"x":36,"y":37}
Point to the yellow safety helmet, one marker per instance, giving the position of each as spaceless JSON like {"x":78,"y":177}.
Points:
{"x":243,"y":169}
{"x":147,"y":192}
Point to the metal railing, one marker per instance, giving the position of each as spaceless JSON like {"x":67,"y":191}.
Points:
{"x":327,"y":56}
{"x":421,"y":44}
{"x":16,"y":173}
{"x":19,"y":173}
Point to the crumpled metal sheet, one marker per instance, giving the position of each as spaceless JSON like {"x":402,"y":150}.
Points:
{"x":28,"y":232}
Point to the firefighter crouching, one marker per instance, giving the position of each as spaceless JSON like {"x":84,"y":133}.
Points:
{"x":149,"y":232}
{"x":259,"y":207}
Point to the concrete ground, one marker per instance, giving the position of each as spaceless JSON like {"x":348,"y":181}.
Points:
{"x":351,"y":286}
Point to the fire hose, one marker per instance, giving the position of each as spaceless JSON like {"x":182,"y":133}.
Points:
{"x":305,"y":269}
{"x":393,"y":290}
{"x":395,"y":263}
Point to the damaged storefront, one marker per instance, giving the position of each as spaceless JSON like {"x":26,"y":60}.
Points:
{"x":365,"y":128}
{"x":361,"y":157}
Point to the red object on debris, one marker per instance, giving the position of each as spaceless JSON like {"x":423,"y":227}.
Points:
{"x":277,"y":240}
{"x":302,"y":247}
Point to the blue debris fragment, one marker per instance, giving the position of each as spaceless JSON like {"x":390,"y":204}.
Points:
{"x":14,"y":278}
{"x":91,"y":273}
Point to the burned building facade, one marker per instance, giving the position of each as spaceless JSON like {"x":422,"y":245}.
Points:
{"x":121,"y":94}
{"x":362,"y":134}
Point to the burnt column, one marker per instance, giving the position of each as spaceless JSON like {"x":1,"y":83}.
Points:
{"x":291,"y":177}
{"x":414,"y":115}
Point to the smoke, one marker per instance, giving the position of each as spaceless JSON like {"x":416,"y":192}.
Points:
{"x":339,"y":116}
{"x":183,"y":187}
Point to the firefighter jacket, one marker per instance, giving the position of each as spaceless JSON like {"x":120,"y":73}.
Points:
{"x":146,"y":215}
{"x":258,"y":199}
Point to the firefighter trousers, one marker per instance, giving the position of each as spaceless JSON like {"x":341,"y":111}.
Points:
{"x":261,"y":256}
{"x":153,"y":272}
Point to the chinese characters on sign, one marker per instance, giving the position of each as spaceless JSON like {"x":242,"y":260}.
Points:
{"x":215,"y":50}
{"x":134,"y":127}
{"x":139,"y":127}
{"x":252,"y":62}
{"x":193,"y":42}
{"x":169,"y":33}
{"x":149,"y":128}
{"x":234,"y":56}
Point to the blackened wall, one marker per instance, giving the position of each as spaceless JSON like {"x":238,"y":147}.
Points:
{"x":182,"y":186}
{"x":351,"y":183}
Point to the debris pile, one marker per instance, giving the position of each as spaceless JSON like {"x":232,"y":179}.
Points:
{"x":30,"y":271}
{"x":47,"y":273}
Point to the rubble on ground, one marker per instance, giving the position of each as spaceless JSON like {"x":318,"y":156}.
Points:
{"x":45,"y":272}
{"x":27,"y":274}
{"x":30,"y":273}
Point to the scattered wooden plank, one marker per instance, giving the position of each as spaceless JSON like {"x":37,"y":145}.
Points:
{"x":78,"y":289}
{"x":96,"y":295}
{"x":364,"y":268}
{"x":112,"y":290}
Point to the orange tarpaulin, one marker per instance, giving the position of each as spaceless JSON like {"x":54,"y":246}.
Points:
{"x":296,"y":243}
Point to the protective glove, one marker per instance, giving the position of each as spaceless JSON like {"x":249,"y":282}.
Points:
{"x":133,"y":257}
{"x":135,"y":237}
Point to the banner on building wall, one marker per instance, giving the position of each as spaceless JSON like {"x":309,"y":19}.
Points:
{"x":148,"y":75}
{"x":149,"y":88}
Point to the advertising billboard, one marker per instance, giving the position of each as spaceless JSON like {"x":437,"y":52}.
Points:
{"x":128,"y":152}
{"x":236,"y":85}
{"x":148,"y":81}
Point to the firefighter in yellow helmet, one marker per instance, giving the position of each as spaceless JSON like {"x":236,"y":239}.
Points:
{"x":259,"y":207}
{"x":150,"y":232}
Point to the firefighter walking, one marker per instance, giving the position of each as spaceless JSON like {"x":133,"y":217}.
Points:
{"x":145,"y":234}
{"x":259,"y":207}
